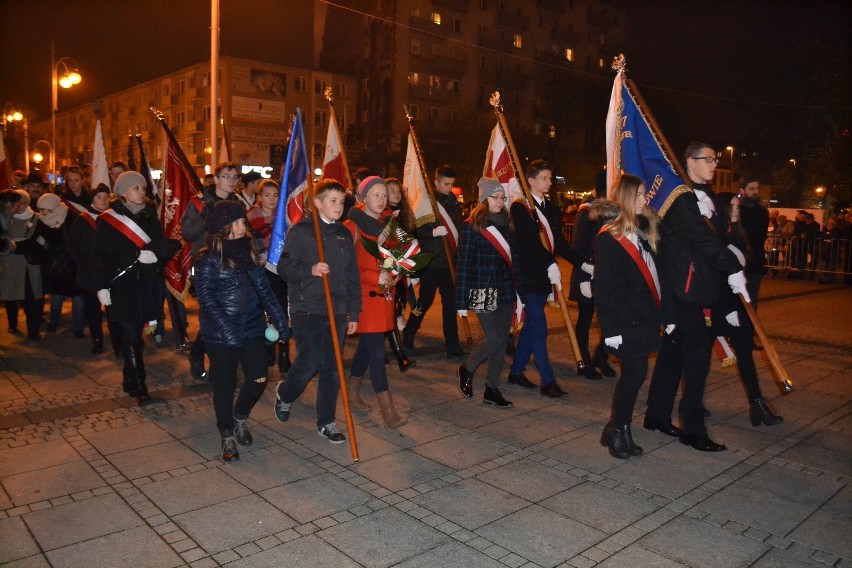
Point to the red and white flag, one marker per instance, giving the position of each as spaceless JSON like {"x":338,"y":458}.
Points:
{"x":100,"y":167}
{"x":334,"y":164}
{"x":4,"y":165}
{"x":498,"y":166}
{"x":414,"y":183}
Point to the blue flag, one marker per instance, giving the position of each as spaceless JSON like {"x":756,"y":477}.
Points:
{"x":633,"y":148}
{"x":290,"y":207}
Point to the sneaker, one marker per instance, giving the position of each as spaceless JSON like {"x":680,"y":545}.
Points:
{"x":494,"y":397}
{"x":229,"y":447}
{"x":331,"y":432}
{"x":14,"y":331}
{"x":241,"y":431}
{"x":282,"y":409}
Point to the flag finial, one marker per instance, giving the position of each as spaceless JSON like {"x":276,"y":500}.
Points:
{"x":495,"y":101}
{"x":327,"y":92}
{"x":619,"y":63}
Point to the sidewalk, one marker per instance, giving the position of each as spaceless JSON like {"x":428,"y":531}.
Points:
{"x":89,"y":479}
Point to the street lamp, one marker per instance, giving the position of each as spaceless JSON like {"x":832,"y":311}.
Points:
{"x":11,"y":115}
{"x":731,"y":150}
{"x":38,"y":156}
{"x":70,"y":76}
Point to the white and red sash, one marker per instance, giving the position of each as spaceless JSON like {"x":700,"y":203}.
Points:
{"x":499,"y":242}
{"x":545,"y":228}
{"x":127,"y":227}
{"x":452,"y":230}
{"x":90,"y":218}
{"x":633,"y":251}
{"x":77,"y":206}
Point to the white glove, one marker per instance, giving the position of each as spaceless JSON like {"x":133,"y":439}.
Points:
{"x":586,"y":289}
{"x":705,"y":204}
{"x":147,"y":257}
{"x":104,"y":297}
{"x":40,"y":240}
{"x":613,"y":342}
{"x":439,"y":231}
{"x":554,"y":275}
{"x":519,"y":307}
{"x":737,"y":282}
{"x":738,"y":253}
{"x":462,"y":313}
{"x":588,"y":269}
{"x":413,"y":281}
{"x":670,"y":329}
{"x":733,"y":319}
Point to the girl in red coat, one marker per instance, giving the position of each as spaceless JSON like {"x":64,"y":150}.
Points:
{"x":366,"y":221}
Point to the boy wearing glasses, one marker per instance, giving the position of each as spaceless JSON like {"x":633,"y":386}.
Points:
{"x":695,"y":259}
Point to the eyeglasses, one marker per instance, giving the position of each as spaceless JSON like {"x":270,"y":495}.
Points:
{"x":497,"y":197}
{"x":708,"y":159}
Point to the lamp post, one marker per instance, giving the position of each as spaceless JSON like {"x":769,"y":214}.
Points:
{"x":38,"y":157}
{"x":70,"y":77}
{"x":11,"y":115}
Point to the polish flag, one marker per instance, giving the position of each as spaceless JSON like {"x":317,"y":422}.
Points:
{"x":498,"y":166}
{"x":334,"y":164}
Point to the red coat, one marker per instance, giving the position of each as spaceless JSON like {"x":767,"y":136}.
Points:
{"x":376,"y":311}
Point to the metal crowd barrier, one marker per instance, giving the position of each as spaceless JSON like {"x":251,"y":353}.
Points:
{"x":793,"y":257}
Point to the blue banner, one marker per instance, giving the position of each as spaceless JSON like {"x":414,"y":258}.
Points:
{"x":293,"y":183}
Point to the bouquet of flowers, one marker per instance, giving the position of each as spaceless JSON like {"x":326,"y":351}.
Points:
{"x":397,"y":251}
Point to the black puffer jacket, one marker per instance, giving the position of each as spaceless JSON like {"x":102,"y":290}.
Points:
{"x":232,"y":302}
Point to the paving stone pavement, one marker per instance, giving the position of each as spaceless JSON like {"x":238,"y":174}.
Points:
{"x":89,"y":479}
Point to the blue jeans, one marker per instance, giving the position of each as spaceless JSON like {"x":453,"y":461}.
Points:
{"x":78,"y":317}
{"x":314,"y":353}
{"x":533,"y":341}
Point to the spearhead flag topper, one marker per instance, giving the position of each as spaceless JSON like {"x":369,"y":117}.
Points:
{"x":498,"y":166}
{"x":294,"y":181}
{"x":633,"y":147}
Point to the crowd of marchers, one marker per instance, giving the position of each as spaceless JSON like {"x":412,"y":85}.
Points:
{"x":669,"y":285}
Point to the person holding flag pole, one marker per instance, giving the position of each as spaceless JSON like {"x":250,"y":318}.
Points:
{"x":316,"y":256}
{"x":540,"y":239}
{"x":437,"y":218}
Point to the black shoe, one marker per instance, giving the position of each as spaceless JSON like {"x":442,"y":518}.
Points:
{"x":551,"y":390}
{"x":229,"y":446}
{"x":14,"y":331}
{"x":631,"y":445}
{"x":521,"y":380}
{"x":97,"y":346}
{"x":588,"y":371}
{"x":702,"y":443}
{"x":465,"y":381}
{"x":615,"y":438}
{"x":494,"y":397}
{"x":281,"y":408}
{"x":760,"y":413}
{"x":284,"y":357}
{"x":331,"y":433}
{"x":455,"y":352}
{"x":144,"y":399}
{"x":601,"y":363}
{"x":196,"y":368}
{"x":241,"y":431}
{"x":668,"y":429}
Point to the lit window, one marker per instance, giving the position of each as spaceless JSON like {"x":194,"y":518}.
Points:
{"x":434,"y":81}
{"x":454,"y":87}
{"x":601,"y":63}
{"x":414,"y":79}
{"x":436,"y":18}
{"x":569,"y":54}
{"x":518,"y":41}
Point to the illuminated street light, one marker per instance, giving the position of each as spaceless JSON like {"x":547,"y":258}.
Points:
{"x":38,"y":155}
{"x":70,"y":77}
{"x":731,"y":150}
{"x":12,"y":115}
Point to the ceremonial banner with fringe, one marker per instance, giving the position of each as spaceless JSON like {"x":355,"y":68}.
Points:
{"x":498,"y":166}
{"x":414,"y":182}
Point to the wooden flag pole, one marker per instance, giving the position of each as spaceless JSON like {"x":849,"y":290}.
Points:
{"x":781,"y":377}
{"x":431,"y":191}
{"x":335,"y":342}
{"x":522,"y":181}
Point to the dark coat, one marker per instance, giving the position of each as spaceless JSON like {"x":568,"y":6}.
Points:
{"x":435,"y":245}
{"x":534,"y":257}
{"x":481,"y":266}
{"x":623,"y":299}
{"x":80,"y":243}
{"x":754,"y":219}
{"x":305,"y":292}
{"x":134,"y":287}
{"x":692,"y":254}
{"x":192,"y":226}
{"x":232,"y":302}
{"x":585,"y":231}
{"x":58,"y":269}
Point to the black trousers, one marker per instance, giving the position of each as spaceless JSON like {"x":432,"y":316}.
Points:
{"x":223,"y":375}
{"x":432,"y":280}
{"x":686,"y":353}
{"x":93,"y":314}
{"x":634,"y":368}
{"x":370,"y":353}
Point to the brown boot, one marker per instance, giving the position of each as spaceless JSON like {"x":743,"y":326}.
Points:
{"x":355,"y":401}
{"x":389,"y":414}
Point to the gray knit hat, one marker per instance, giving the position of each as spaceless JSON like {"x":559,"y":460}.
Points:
{"x":488,"y":187}
{"x":127,"y":180}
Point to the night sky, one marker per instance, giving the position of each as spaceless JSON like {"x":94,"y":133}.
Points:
{"x":772,"y":75}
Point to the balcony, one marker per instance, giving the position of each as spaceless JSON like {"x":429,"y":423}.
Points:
{"x":428,"y":26}
{"x":557,"y":6}
{"x":495,"y":43}
{"x":448,"y":66}
{"x":426,"y":93}
{"x":515,"y":22}
{"x":195,"y":93}
{"x":568,"y":35}
{"x":459,"y":5}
